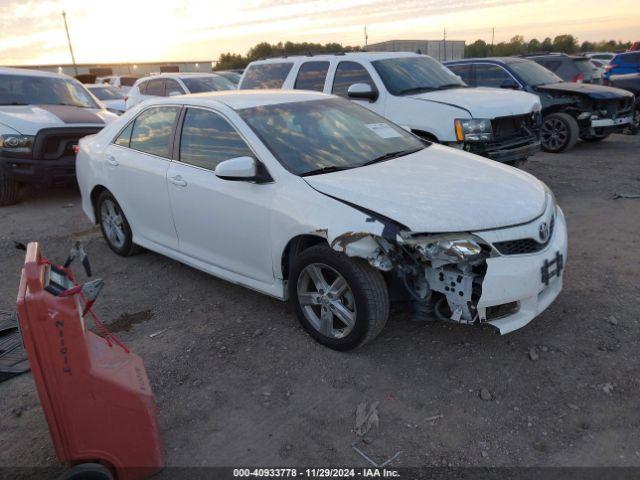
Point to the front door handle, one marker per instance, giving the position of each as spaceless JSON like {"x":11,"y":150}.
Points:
{"x":178,"y":181}
{"x":112,"y":161}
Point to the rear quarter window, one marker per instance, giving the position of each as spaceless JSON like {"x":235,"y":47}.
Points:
{"x":266,"y":75}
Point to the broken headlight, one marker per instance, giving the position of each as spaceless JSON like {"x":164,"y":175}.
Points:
{"x":452,"y":250}
{"x":16,"y":143}
{"x":473,"y":129}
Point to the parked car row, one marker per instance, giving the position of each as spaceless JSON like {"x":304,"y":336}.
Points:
{"x":337,"y":196}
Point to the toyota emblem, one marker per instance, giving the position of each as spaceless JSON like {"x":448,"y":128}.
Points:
{"x":543,"y":231}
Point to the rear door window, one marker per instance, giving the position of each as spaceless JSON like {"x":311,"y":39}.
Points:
{"x":155,"y":87}
{"x":266,"y":75}
{"x":465,"y":72}
{"x":491,"y":76}
{"x":153,"y":131}
{"x":311,"y":76}
{"x":350,"y":73}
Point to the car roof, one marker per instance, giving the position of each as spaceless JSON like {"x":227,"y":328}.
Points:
{"x":178,"y":75}
{"x":504,"y":60}
{"x":30,"y":73}
{"x":365,"y":56}
{"x":240,"y":99}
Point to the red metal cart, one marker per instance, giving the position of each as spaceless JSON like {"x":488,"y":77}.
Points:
{"x":94,"y":392}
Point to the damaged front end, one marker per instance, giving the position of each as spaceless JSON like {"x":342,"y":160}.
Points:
{"x":443,"y":274}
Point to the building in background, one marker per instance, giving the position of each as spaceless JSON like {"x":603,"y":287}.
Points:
{"x":134,"y":69}
{"x":439,"y":49}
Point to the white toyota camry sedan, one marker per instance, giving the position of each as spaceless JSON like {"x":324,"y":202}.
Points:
{"x":314,"y":199}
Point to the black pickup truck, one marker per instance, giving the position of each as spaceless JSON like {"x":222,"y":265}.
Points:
{"x":569,"y":110}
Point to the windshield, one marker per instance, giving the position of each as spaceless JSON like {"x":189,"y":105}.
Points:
{"x":408,"y":75}
{"x":27,"y":90}
{"x":534,"y":74}
{"x":106,"y":93}
{"x":334,"y":134}
{"x":207,"y":84}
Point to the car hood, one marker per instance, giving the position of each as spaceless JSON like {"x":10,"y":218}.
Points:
{"x":439,"y":189}
{"x":599,"y":92}
{"x":29,"y":119}
{"x":484,"y":102}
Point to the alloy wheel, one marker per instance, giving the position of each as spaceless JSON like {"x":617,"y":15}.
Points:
{"x":326,"y":300}
{"x":112,"y":223}
{"x":554,"y":134}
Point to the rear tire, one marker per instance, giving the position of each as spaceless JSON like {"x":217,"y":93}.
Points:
{"x":9,"y":190}
{"x":115,"y":226}
{"x":559,"y":132}
{"x":363,"y":296}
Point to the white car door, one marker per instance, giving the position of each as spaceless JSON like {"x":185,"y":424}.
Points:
{"x":349,"y":73}
{"x":221,"y":222}
{"x":137,"y":164}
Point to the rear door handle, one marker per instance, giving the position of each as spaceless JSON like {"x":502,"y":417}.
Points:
{"x":112,"y":161}
{"x":178,"y":181}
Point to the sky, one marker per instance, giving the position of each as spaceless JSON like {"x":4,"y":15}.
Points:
{"x":32,"y":31}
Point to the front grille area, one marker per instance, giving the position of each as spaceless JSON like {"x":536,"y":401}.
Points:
{"x":507,"y":128}
{"x":523,"y":246}
{"x":55,"y":143}
{"x":614,"y":108}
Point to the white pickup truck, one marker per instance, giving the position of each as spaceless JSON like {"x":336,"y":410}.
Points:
{"x":42,"y":117}
{"x":418,"y":93}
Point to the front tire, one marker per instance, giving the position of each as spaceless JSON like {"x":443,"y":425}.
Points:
{"x":341,"y":302}
{"x":114,"y":225}
{"x":9,"y":190}
{"x":559,"y":132}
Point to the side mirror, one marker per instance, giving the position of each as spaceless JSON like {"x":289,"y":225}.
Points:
{"x":362,"y":91}
{"x":175,"y":93}
{"x":510,"y":83}
{"x":238,"y":169}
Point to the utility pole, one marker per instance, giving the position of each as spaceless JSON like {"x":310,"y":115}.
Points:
{"x":444,"y":44}
{"x":73,"y":58}
{"x":493,"y":34}
{"x":366,"y":37}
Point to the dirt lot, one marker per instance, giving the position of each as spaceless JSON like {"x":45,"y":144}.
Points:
{"x":238,"y":382}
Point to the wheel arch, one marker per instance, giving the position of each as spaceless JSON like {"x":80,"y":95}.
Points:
{"x":294,"y":247}
{"x":94,"y":195}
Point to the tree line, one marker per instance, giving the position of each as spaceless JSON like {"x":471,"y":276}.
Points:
{"x":562,"y":43}
{"x":517,"y":45}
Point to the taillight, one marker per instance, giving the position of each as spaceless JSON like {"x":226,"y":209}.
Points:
{"x":610,"y":67}
{"x":76,"y":149}
{"x":578,"y":78}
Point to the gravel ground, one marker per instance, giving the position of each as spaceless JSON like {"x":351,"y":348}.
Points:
{"x":238,"y":382}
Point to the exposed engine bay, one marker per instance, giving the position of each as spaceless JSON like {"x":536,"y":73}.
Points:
{"x":443,"y":271}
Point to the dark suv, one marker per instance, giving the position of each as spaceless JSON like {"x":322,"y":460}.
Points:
{"x":570,"y":68}
{"x":570,"y":110}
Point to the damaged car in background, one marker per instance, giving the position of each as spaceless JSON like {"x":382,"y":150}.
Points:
{"x":315,"y":199}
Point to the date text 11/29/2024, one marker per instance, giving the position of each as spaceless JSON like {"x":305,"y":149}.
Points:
{"x":314,"y":473}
